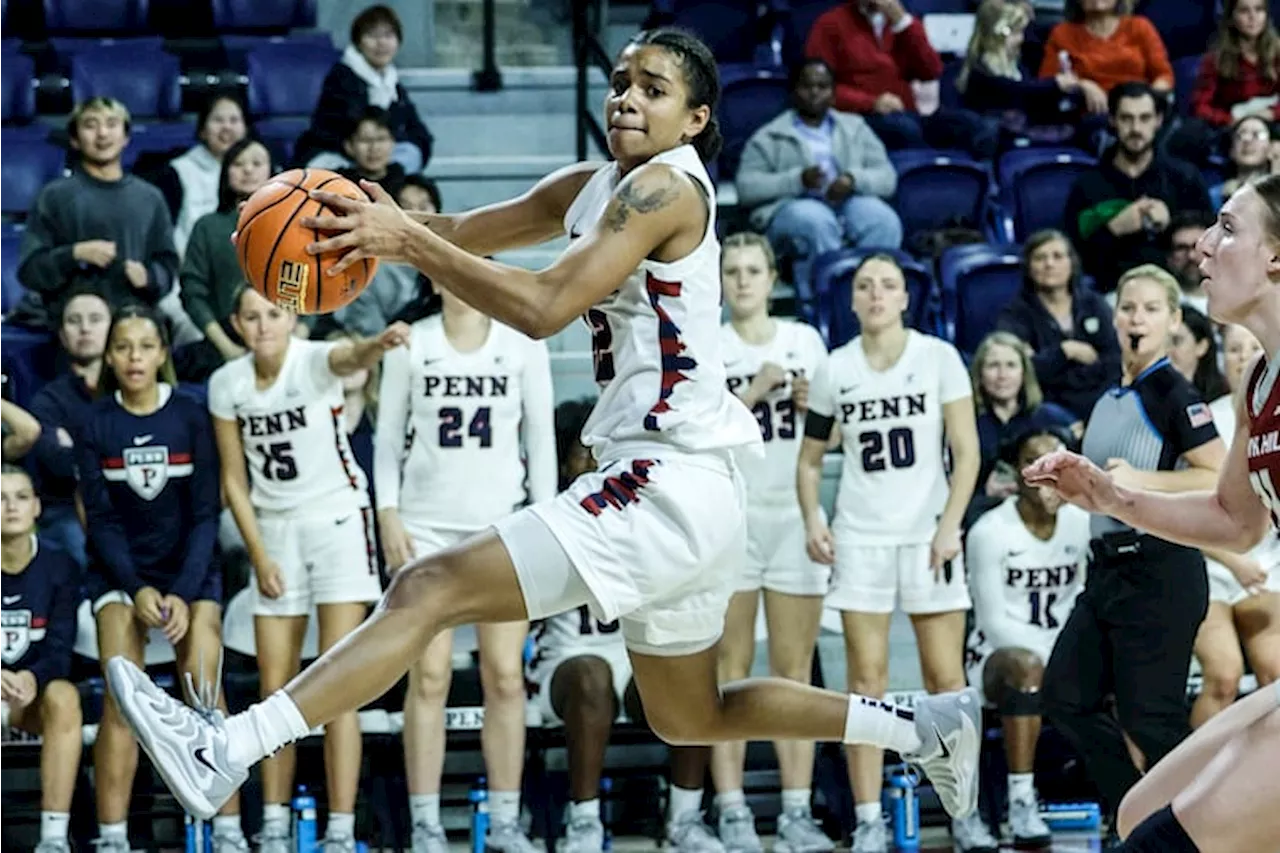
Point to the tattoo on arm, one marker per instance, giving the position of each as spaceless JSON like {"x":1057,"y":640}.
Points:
{"x":632,"y":198}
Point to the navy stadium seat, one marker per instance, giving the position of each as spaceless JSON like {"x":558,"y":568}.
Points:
{"x":285,"y":80}
{"x":730,"y":28}
{"x":10,"y":287}
{"x":938,"y":189}
{"x":280,"y":134}
{"x":158,"y":139}
{"x":17,"y":87}
{"x":238,"y":47}
{"x":833,"y":293}
{"x":147,"y":82}
{"x":272,"y":15}
{"x":28,"y":164}
{"x":749,"y":98}
{"x":69,"y":17}
{"x":66,"y":48}
{"x":797,"y":21}
{"x":940,"y":7}
{"x":976,"y":283}
{"x":1035,"y":183}
{"x":29,"y":360}
{"x":1185,"y":26}
{"x":1184,"y":80}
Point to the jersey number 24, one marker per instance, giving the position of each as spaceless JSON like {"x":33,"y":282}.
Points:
{"x":451,"y":426}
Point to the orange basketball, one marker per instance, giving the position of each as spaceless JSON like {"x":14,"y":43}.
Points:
{"x":272,"y":244}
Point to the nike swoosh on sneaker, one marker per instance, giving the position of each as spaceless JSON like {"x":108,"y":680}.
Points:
{"x":946,"y":753}
{"x":200,"y":756}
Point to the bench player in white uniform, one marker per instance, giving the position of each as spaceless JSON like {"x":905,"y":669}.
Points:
{"x":580,"y":676}
{"x":899,"y":398}
{"x":654,"y":536}
{"x":1026,"y":560}
{"x":460,"y":410}
{"x":770,"y":363}
{"x":301,"y":503}
{"x":1238,"y":616}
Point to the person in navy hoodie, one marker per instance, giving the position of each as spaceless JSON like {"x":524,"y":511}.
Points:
{"x":148,"y":469}
{"x":39,"y":590}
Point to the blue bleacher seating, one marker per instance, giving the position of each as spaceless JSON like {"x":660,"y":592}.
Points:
{"x":1185,"y":26}
{"x":797,"y":20}
{"x":146,"y":81}
{"x":69,"y":17}
{"x":976,"y":282}
{"x":941,"y":7}
{"x":17,"y":87}
{"x":285,"y":80}
{"x":280,"y":134}
{"x":1184,"y":79}
{"x":158,"y":138}
{"x":259,"y":15}
{"x":238,"y":47}
{"x":750,"y":97}
{"x":28,"y":164}
{"x":939,"y":188}
{"x":730,"y":28}
{"x":833,"y":293}
{"x":66,"y":48}
{"x":1034,"y":184}
{"x":10,"y":287}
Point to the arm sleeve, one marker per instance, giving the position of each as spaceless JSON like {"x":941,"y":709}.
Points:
{"x":539,"y":423}
{"x":60,"y":634}
{"x":197,"y":278}
{"x":1204,"y":94}
{"x":873,"y":174}
{"x":1153,"y":50}
{"x":985,"y":563}
{"x":44,"y":263}
{"x":393,"y":421}
{"x":758,"y":182}
{"x":52,"y":456}
{"x":206,"y":504}
{"x":914,"y":55}
{"x":102,"y":522}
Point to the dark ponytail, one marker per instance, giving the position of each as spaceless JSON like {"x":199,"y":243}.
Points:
{"x":701,"y":77}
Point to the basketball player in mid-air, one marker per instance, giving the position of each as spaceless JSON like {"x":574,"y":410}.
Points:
{"x":654,"y":536}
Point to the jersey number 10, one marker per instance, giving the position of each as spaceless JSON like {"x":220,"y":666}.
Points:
{"x":1042,"y":610}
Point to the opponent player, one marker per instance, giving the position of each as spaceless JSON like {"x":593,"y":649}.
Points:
{"x":1026,"y":561}
{"x":654,"y":536}
{"x":461,"y":407}
{"x":899,"y":398}
{"x":1238,"y":615}
{"x":148,"y":470}
{"x":301,"y":503}
{"x":41,"y":590}
{"x":770,"y":363}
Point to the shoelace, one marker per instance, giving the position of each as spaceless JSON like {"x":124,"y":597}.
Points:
{"x":203,"y":696}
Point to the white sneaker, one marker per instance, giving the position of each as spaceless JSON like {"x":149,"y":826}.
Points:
{"x":737,"y":829}
{"x":274,"y":838}
{"x":508,"y":838}
{"x":972,"y":835}
{"x":1028,"y":828}
{"x":428,"y":839}
{"x":688,"y":834}
{"x":870,"y":838}
{"x":798,"y":832}
{"x":53,"y":845}
{"x":949,"y":726}
{"x":338,"y":844}
{"x":582,"y":835}
{"x":229,"y":842}
{"x":188,"y":747}
{"x":112,"y":844}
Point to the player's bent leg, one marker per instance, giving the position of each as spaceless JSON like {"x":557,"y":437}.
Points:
{"x":1258,"y":621}
{"x":582,"y":695}
{"x":278,"y":642}
{"x":343,"y":743}
{"x":1218,"y":650}
{"x":115,"y":753}
{"x":1011,"y":680}
{"x":737,"y":655}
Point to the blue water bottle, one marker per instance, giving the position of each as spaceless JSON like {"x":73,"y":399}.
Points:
{"x":904,"y":808}
{"x":479,"y":798}
{"x":192,"y":826}
{"x":606,"y":811}
{"x":304,"y":821}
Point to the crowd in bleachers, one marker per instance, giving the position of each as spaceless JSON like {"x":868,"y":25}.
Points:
{"x":993,"y":192}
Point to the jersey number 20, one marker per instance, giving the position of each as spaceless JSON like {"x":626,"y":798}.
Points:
{"x":902,"y":449}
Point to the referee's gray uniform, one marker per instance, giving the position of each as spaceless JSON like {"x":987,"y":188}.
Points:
{"x":1133,"y":628}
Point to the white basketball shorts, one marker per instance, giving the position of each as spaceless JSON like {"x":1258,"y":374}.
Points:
{"x":869,"y":578}
{"x":1224,"y":587}
{"x":323,"y":559}
{"x":776,"y":558}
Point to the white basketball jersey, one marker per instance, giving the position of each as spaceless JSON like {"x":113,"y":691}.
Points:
{"x":1266,"y":552}
{"x":893,"y":485}
{"x":656,"y":340}
{"x":295,"y":439}
{"x":1024,"y":587}
{"x":447,"y":451}
{"x":575,"y":630}
{"x":798,"y":349}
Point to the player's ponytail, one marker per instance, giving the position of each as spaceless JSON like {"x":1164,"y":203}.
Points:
{"x":709,"y":142}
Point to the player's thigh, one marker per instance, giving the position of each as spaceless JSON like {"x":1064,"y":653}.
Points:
{"x":338,"y":619}
{"x":57,"y":703}
{"x":793,"y":622}
{"x":472,"y":582}
{"x":1257,"y":619}
{"x":1217,"y":644}
{"x":926,"y":590}
{"x":680,"y":694}
{"x":343,"y":556}
{"x":866,"y":645}
{"x":940,"y":641}
{"x":865,"y":577}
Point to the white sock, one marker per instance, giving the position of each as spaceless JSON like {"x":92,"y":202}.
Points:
{"x":874,"y":722}
{"x":53,"y":826}
{"x":1022,"y":787}
{"x":340,"y":825}
{"x":276,"y":814}
{"x":424,"y":808}
{"x":726,"y":800}
{"x":227,"y":826}
{"x":682,"y":802}
{"x":114,"y":830}
{"x":868,"y":813}
{"x":586,"y":808}
{"x":796,"y":799}
{"x":504,"y":806}
{"x":258,"y":732}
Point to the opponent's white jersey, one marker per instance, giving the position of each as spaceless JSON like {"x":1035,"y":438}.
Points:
{"x":574,"y":630}
{"x":295,"y":439}
{"x":656,"y":340}
{"x":447,"y":449}
{"x":1266,"y":552}
{"x":798,"y":349}
{"x":1025,"y":587}
{"x":893,"y":485}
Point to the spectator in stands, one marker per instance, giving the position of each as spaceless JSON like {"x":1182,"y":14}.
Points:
{"x":876,"y":50}
{"x":1239,"y":615}
{"x":62,"y":406}
{"x":1240,"y":75}
{"x":21,"y":430}
{"x":1183,"y":260}
{"x":110,"y":227}
{"x":580,"y":675}
{"x":394,"y":286}
{"x":815,"y":177}
{"x":366,"y":77}
{"x":302,"y":508}
{"x":769,"y":364}
{"x":1193,"y":350}
{"x":1116,"y":214}
{"x":369,"y":144}
{"x":148,"y":471}
{"x":1253,"y":153}
{"x":901,"y":398}
{"x":1068,"y":327}
{"x":190,"y":182}
{"x":1010,"y":403}
{"x":41,"y":591}
{"x":476,"y":398}
{"x":1026,"y":563}
{"x":1103,"y":44}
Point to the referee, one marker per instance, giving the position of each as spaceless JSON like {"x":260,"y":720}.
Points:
{"x":1133,"y":628}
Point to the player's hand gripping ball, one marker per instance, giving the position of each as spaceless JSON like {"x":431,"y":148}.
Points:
{"x":271,"y":244}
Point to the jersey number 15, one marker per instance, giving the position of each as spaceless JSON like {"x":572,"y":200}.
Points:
{"x":277,"y":461}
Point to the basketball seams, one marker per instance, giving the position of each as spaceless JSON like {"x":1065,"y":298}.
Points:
{"x":320,"y":209}
{"x":266,"y":267}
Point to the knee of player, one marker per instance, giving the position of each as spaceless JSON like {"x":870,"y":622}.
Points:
{"x":1026,"y":669}
{"x":873,"y":684}
{"x":421,"y":584}
{"x":502,"y":683}
{"x":429,"y":684}
{"x":588,"y":681}
{"x":60,"y":706}
{"x":1223,"y":684}
{"x":679,"y":727}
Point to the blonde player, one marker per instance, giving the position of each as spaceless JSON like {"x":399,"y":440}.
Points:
{"x":465,"y":436}
{"x":769,"y":364}
{"x":899,"y":398}
{"x":302,"y":505}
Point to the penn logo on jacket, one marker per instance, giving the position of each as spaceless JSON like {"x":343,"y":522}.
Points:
{"x":146,"y":469}
{"x":21,"y":630}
